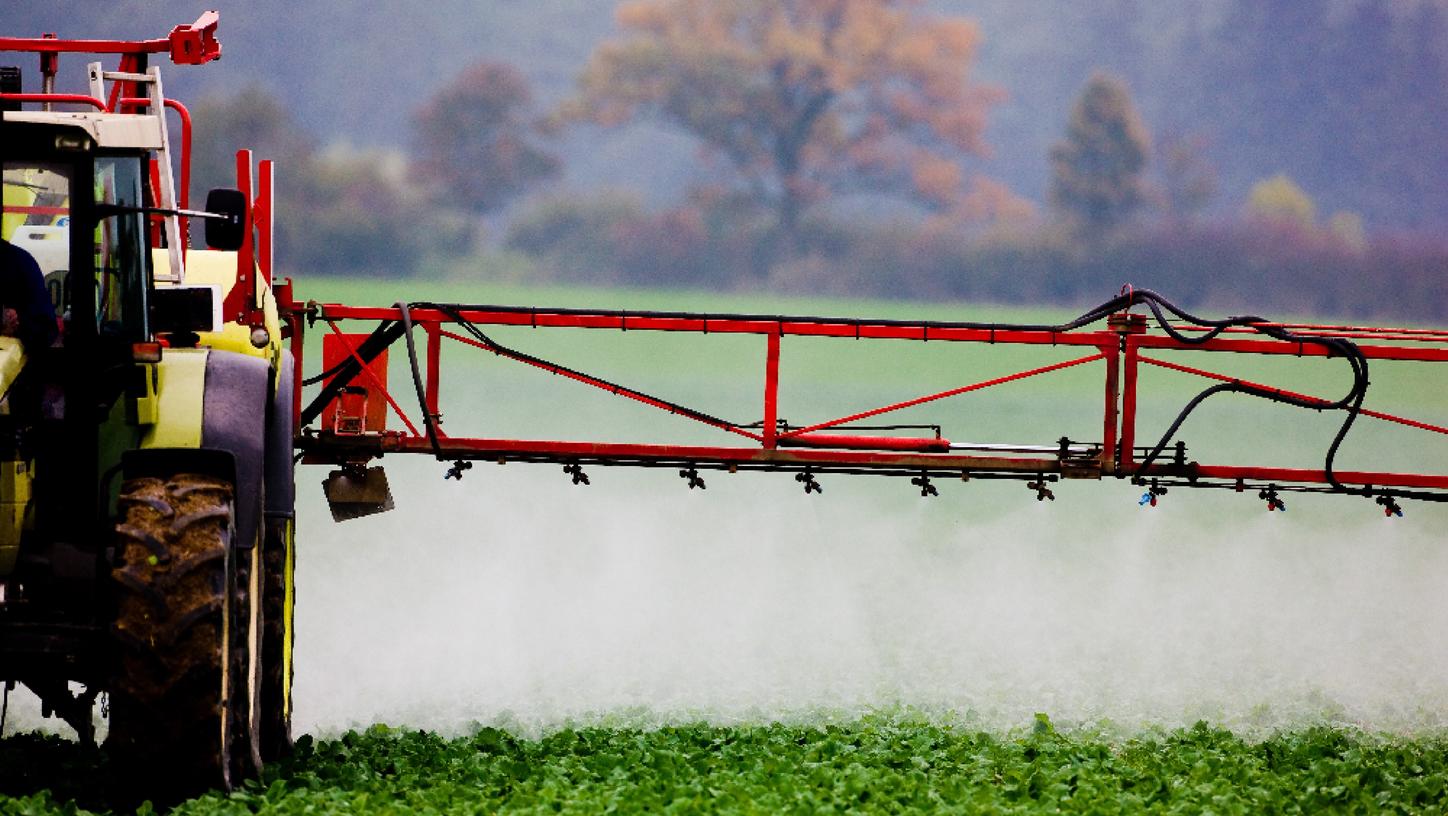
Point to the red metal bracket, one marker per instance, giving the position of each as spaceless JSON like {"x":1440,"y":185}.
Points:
{"x":192,"y":44}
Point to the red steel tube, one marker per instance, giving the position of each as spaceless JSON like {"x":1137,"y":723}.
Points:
{"x":1126,"y":446}
{"x":299,"y":343}
{"x":861,"y":329}
{"x":183,"y":195}
{"x":638,"y":452}
{"x":47,"y":45}
{"x":771,"y":392}
{"x":1110,"y":420}
{"x":238,"y":300}
{"x":1299,"y":328}
{"x":866,"y":329}
{"x":1300,"y":349}
{"x":192,"y":44}
{"x":1309,"y":476}
{"x":926,"y":444}
{"x":1347,"y":333}
{"x":434,"y":373}
{"x":54,"y":98}
{"x":263,"y":218}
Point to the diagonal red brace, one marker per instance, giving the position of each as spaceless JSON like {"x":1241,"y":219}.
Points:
{"x":621,"y":391}
{"x":372,"y":378}
{"x":1020,"y":375}
{"x":1212,"y":375}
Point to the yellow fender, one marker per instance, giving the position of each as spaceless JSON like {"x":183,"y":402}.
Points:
{"x":15,"y":474}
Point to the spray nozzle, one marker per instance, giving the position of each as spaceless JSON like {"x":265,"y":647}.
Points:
{"x":1151,"y":494}
{"x":1390,"y":506}
{"x":1269,"y":495}
{"x":691,"y":475}
{"x":456,"y":471}
{"x":926,"y":488}
{"x":1042,"y":492}
{"x":806,"y":478}
{"x":576,"y":471}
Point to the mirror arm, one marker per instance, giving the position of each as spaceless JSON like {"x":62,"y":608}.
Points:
{"x":107,"y":210}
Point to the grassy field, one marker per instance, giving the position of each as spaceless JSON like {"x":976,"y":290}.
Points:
{"x":640,"y":647}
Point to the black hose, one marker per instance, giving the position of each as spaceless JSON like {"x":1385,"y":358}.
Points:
{"x":428,"y":421}
{"x":344,"y":372}
{"x":1339,"y":347}
{"x":1351,"y":402}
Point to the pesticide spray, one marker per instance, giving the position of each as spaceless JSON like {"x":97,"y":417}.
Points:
{"x":516,"y":600}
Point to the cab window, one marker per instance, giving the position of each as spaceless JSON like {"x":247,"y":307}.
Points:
{"x":121,"y":250}
{"x":36,"y":218}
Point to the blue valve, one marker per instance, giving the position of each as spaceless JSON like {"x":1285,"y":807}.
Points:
{"x":1151,"y":494}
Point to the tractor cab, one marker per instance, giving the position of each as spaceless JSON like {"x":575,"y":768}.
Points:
{"x":78,"y":213}
{"x":75,"y":298}
{"x":145,"y":423}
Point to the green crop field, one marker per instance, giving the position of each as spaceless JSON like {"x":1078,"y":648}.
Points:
{"x":869,"y":766}
{"x":638,"y":647}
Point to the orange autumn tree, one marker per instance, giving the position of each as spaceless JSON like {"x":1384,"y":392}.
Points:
{"x":803,"y":100}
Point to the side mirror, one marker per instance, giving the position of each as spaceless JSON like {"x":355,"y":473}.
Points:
{"x":226,"y":234}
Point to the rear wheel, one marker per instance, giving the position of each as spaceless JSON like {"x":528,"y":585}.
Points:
{"x":184,"y":709}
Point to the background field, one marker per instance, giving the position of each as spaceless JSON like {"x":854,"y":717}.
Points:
{"x":514,"y":600}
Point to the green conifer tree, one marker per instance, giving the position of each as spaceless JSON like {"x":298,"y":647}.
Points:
{"x":1097,"y":181}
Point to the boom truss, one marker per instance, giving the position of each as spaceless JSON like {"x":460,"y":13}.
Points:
{"x":1114,"y":339}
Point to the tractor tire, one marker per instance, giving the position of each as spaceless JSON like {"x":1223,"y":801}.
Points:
{"x":184,"y":713}
{"x":278,"y":604}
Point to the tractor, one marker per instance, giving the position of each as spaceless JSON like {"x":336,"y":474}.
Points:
{"x":153,"y":414}
{"x":146,"y":502}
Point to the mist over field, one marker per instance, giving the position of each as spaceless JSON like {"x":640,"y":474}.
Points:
{"x":515,"y":599}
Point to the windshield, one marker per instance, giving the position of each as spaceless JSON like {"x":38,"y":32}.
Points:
{"x":121,"y":250}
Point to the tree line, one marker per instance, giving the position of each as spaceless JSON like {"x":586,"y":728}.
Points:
{"x":846,"y":152}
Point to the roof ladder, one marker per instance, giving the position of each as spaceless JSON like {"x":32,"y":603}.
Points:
{"x":167,"y":192}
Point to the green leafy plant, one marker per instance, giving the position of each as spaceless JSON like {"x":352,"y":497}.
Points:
{"x":874,"y":765}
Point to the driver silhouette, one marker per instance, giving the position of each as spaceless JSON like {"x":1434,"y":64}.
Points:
{"x":26,"y":311}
